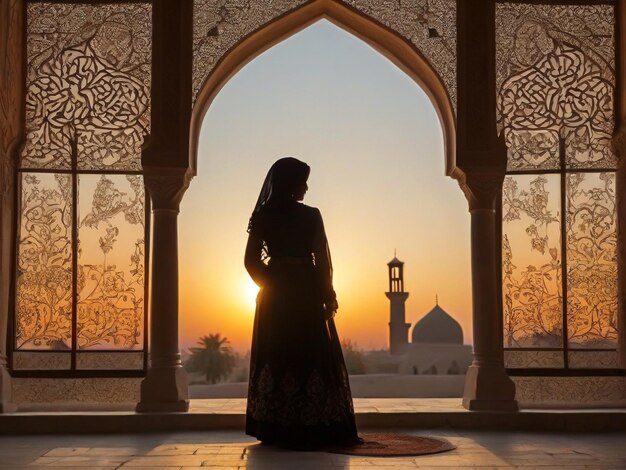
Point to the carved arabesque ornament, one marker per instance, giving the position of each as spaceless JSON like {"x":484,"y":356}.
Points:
{"x":111,"y":286}
{"x":555,"y":79}
{"x":555,"y":74}
{"x":88,"y":85}
{"x":532,"y":269}
{"x":430,"y":25}
{"x":81,"y":240}
{"x":43,"y":299}
{"x":531,"y":280}
{"x":110,"y":269}
{"x":591,"y":234}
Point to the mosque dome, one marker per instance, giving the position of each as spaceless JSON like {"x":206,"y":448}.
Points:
{"x":437,"y":326}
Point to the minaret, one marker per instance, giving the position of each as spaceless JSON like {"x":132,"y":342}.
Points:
{"x":398,"y":328}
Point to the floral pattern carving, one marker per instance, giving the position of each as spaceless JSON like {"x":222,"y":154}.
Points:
{"x":591,"y":230}
{"x":555,"y":84}
{"x":87,"y":108}
{"x":111,"y":294}
{"x":110,"y":289}
{"x":532,"y":294}
{"x":88,"y":85}
{"x":44,"y":263}
{"x":533,"y":299}
{"x":430,"y":25}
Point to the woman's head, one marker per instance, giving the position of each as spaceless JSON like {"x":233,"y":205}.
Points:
{"x":288,"y":179}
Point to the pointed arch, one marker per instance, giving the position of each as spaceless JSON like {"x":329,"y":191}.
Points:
{"x":389,"y":43}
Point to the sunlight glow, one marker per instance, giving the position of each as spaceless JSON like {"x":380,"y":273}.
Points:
{"x":251,"y":290}
{"x":375,"y":147}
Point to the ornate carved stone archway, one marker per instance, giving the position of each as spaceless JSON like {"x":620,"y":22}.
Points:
{"x":427,"y":58}
{"x":195,"y":46}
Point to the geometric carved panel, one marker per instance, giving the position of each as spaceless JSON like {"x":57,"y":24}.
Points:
{"x":45,"y":360}
{"x":31,"y":394}
{"x":533,"y":359}
{"x":88,"y":85}
{"x":570,"y":391}
{"x":109,"y":360}
{"x":555,"y":71}
{"x":593,"y":359}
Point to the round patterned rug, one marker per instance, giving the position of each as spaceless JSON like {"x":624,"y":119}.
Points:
{"x":388,"y":444}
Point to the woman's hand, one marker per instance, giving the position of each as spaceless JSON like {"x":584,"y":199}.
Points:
{"x":330,"y":309}
{"x":253,"y":260}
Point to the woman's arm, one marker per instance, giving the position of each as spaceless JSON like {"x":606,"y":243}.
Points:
{"x":324,"y":267}
{"x":253,"y":260}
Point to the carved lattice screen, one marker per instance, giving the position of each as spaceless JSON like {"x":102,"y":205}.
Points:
{"x":80,"y":284}
{"x":555,"y":85}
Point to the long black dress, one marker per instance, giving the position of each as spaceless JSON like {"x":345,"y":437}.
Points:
{"x":298,"y":393}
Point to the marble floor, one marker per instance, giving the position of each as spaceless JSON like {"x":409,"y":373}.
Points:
{"x":361,"y":405}
{"x":233,"y":450}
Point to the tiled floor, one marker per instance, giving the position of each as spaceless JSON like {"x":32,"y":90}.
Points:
{"x":233,"y":450}
{"x":361,"y":405}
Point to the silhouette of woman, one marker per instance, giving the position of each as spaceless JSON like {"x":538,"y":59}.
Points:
{"x":298,"y":393}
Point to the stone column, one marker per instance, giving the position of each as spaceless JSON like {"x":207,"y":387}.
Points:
{"x":11,"y":124}
{"x":619,"y":142}
{"x":481,"y":161}
{"x":7,"y":235}
{"x":165,"y":387}
{"x":487,"y":385}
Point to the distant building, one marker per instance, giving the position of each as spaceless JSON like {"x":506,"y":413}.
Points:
{"x":436,"y":345}
{"x":437,"y":326}
{"x":398,"y":327}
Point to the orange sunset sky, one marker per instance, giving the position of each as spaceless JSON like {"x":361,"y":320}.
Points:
{"x":374,"y":144}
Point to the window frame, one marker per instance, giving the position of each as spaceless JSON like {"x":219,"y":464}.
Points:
{"x":563,"y":172}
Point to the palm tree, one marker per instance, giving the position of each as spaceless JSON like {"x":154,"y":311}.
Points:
{"x":214,"y":358}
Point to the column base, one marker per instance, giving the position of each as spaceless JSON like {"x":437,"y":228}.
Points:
{"x":164,"y":407}
{"x":5,"y":392}
{"x":489,"y":388}
{"x":490,"y":405}
{"x":164,"y":390}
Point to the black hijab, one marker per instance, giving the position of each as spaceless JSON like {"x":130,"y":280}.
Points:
{"x":283,"y":179}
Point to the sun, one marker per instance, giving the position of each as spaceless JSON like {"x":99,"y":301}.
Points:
{"x":250,"y":292}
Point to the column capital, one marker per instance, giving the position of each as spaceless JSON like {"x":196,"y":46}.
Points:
{"x":482,"y":186}
{"x":167,"y":186}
